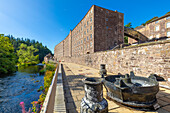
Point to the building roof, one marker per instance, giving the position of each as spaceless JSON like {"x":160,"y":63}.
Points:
{"x":164,"y":16}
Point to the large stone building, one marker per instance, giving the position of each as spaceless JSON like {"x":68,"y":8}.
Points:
{"x":100,"y":29}
{"x":158,"y":28}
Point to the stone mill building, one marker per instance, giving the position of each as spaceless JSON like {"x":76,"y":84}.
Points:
{"x":99,"y":30}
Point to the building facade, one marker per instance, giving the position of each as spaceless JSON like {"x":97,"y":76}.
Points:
{"x":100,"y":29}
{"x":158,"y":28}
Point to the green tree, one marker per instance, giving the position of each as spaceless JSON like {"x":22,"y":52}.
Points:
{"x":129,"y":25}
{"x":26,"y":55}
{"x":7,"y":56}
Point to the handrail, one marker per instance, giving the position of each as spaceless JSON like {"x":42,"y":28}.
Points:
{"x":46,"y":102}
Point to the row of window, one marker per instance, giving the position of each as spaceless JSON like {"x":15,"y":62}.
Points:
{"x":82,"y":27}
{"x":157,"y":36}
{"x":166,"y":19}
{"x":167,"y":26}
{"x":84,"y":40}
{"x":85,"y":47}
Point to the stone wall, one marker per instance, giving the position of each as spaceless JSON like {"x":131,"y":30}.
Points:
{"x":143,"y":59}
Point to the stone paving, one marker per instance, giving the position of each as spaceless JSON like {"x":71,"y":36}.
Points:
{"x":74,"y":91}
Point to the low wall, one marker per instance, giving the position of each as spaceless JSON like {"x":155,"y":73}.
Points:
{"x":142,"y":59}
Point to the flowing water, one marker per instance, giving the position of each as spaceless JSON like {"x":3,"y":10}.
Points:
{"x":20,"y":86}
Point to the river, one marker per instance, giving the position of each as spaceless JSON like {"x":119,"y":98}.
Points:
{"x":20,"y":86}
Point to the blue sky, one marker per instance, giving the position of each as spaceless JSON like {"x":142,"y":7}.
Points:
{"x":49,"y":21}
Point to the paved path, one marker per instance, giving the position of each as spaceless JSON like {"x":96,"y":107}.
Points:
{"x":74,"y":91}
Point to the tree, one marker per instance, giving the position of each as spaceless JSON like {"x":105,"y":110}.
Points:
{"x":26,"y":55}
{"x":129,"y":25}
{"x":7,"y":56}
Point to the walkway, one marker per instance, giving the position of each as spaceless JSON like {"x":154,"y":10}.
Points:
{"x":74,"y":91}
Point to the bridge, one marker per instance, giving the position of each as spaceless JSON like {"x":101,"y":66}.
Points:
{"x":135,"y":34}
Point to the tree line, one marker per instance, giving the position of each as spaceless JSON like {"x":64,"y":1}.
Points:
{"x":19,"y":51}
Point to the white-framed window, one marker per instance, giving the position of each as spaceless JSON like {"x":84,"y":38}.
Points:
{"x":168,"y":34}
{"x":168,"y":25}
{"x":91,"y":11}
{"x":156,"y":22}
{"x":157,"y":28}
{"x":157,"y":36}
{"x":151,"y":37}
{"x":168,"y":17}
{"x":90,"y":44}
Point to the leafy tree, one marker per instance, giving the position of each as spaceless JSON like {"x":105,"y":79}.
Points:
{"x":43,"y":50}
{"x":7,"y":55}
{"x":129,"y":25}
{"x":26,"y":55}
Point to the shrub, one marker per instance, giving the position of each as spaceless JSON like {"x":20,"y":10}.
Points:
{"x":42,"y":71}
{"x":47,"y":80}
{"x":50,"y":67}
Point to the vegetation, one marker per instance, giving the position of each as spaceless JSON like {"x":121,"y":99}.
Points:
{"x":129,"y":25}
{"x":167,"y":13}
{"x":21,"y":51}
{"x":49,"y":72}
{"x":43,"y":50}
{"x":26,"y":55}
{"x":149,"y":20}
{"x":7,"y":56}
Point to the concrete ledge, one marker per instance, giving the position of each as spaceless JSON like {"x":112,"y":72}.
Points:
{"x":49,"y":93}
{"x":59,"y":105}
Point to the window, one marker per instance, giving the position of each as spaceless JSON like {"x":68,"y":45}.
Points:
{"x":157,"y":28}
{"x":84,"y":39}
{"x":106,"y":19}
{"x":87,"y":38}
{"x":87,"y":30}
{"x":168,"y":34}
{"x":87,"y":46}
{"x":81,"y":28}
{"x":87,"y":23}
{"x":90,"y":44}
{"x":107,"y":27}
{"x":90,"y":27}
{"x":168,"y":17}
{"x":156,"y":22}
{"x":91,"y":36}
{"x":150,"y":37}
{"x":107,"y":11}
{"x":91,"y":10}
{"x":168,"y":25}
{"x":81,"y":47}
{"x":157,"y":36}
{"x":91,"y":19}
{"x":81,"y":41}
{"x":84,"y":25}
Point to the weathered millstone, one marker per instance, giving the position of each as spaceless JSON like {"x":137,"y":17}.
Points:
{"x":93,"y":102}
